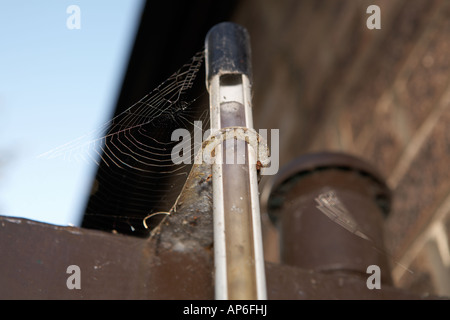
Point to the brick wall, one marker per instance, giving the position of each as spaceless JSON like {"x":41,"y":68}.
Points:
{"x":329,"y":83}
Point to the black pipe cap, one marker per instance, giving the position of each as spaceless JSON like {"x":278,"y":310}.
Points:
{"x":227,"y":47}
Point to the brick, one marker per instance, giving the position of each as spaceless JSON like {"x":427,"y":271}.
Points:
{"x":422,"y":189}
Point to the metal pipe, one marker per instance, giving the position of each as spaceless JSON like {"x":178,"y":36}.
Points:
{"x":330,"y":209}
{"x":239,"y":262}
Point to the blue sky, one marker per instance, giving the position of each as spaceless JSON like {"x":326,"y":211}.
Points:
{"x":56,"y":84}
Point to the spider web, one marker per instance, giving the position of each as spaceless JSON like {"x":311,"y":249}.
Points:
{"x":136,"y":175}
{"x":330,"y":204}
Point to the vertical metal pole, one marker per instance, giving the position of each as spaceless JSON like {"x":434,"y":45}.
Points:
{"x":239,"y":261}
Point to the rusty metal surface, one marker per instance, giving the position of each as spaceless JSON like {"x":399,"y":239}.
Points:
{"x":190,"y":221}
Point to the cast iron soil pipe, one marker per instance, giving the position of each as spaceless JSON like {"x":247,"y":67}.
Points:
{"x":329,"y":209}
